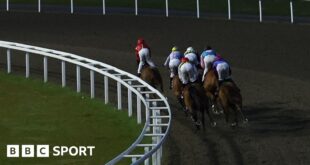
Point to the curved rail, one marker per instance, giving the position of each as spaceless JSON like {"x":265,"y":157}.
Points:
{"x":157,"y":110}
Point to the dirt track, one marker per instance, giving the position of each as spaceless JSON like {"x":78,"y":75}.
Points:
{"x":269,"y":64}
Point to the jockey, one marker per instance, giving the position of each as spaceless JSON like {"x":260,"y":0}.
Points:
{"x":222,"y":68}
{"x":192,"y":56}
{"x":140,"y":44}
{"x":223,"y":71}
{"x":173,"y":61}
{"x":187,"y":72}
{"x":144,"y":58}
{"x":206,"y":59}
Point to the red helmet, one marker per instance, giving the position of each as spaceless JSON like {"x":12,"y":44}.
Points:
{"x":184,"y":59}
{"x":140,"y":41}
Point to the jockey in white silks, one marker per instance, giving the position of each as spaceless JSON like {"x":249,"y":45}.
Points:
{"x":222,"y":68}
{"x":223,"y":71}
{"x":173,"y":61}
{"x":192,"y":56}
{"x":145,"y":58}
{"x":206,"y":60}
{"x":187,"y":72}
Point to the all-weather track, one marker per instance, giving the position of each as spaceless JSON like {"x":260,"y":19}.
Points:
{"x":269,"y":62}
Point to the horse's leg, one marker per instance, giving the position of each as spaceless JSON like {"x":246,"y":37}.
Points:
{"x":194,"y":117}
{"x":181,"y":102}
{"x":235,"y":123}
{"x":213,"y":123}
{"x":239,"y":109}
{"x":202,"y":118}
{"x":212,"y":102}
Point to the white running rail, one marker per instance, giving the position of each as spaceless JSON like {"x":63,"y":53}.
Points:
{"x":157,"y":110}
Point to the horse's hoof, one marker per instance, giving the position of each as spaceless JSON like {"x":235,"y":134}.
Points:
{"x":193,"y":119}
{"x":245,"y":121}
{"x":213,"y":124}
{"x":233,"y":124}
{"x":186,"y":112}
{"x":198,"y":123}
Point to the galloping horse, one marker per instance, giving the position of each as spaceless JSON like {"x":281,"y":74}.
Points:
{"x":177,"y":90}
{"x":152,"y":77}
{"x":196,"y":101}
{"x":211,"y":85}
{"x":230,"y":98}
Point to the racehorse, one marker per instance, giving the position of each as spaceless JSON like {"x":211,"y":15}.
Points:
{"x":177,"y":90}
{"x":211,"y":85}
{"x":195,"y":101}
{"x":152,"y":77}
{"x":229,"y":97}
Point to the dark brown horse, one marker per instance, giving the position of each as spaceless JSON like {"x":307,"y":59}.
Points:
{"x":177,"y":90}
{"x":230,"y":99}
{"x":211,"y":85}
{"x":152,"y":77}
{"x":196,"y":102}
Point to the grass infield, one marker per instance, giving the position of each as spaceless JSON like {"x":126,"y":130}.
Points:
{"x":33,"y":112}
{"x":270,"y":7}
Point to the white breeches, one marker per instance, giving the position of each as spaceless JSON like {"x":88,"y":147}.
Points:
{"x":208,"y":62}
{"x":173,"y":65}
{"x":145,"y":58}
{"x":223,"y":71}
{"x":188,"y":73}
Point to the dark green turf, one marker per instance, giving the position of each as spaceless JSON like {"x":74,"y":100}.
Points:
{"x":32,"y":112}
{"x":270,"y":7}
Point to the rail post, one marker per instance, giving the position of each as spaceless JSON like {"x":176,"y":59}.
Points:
{"x":71,"y":6}
{"x":8,"y":58}
{"x":78,"y":79}
{"x":167,"y":10}
{"x":92,"y":84}
{"x":39,"y":6}
{"x":45,"y":69}
{"x":138,"y":108}
{"x":136,"y":7}
{"x":147,"y":161}
{"x":119,"y":95}
{"x":63,"y":74}
{"x":106,"y":90}
{"x":198,"y":10}
{"x":7,"y":5}
{"x":260,"y":11}
{"x":129,"y":101}
{"x":229,"y":9}
{"x":103,"y":7}
{"x":27,"y":65}
{"x":292,"y":11}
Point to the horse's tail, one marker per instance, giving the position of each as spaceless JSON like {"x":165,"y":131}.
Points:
{"x":194,"y":94}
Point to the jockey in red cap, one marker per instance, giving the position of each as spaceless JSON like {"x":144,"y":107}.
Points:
{"x":143,"y":55}
{"x":187,"y":72}
{"x":140,"y":44}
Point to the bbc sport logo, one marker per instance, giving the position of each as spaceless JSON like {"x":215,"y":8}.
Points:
{"x":43,"y":151}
